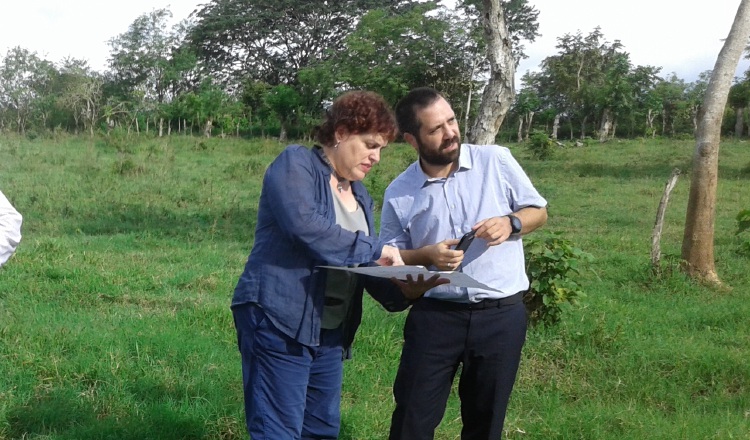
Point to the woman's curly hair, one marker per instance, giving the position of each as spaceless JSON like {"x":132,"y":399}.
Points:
{"x":358,"y":112}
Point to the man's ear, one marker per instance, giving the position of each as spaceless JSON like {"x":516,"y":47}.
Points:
{"x":408,"y":137}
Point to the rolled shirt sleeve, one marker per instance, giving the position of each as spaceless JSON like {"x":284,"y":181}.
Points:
{"x":10,"y":229}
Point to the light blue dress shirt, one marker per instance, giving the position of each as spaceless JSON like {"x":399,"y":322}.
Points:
{"x":420,"y":211}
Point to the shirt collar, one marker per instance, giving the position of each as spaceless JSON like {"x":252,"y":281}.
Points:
{"x":322,"y":163}
{"x":465,"y":163}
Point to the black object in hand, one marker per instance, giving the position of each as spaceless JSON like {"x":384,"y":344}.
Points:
{"x":465,"y":241}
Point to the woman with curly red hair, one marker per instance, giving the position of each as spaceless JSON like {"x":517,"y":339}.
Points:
{"x":295,"y":321}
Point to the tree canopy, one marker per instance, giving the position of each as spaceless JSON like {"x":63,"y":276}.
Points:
{"x":265,"y":67}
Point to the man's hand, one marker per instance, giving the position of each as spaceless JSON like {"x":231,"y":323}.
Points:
{"x":443,"y":256}
{"x":494,"y":230}
{"x":439,"y":255}
{"x":415,"y":289}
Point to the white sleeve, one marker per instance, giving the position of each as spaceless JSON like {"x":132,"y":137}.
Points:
{"x":10,"y":229}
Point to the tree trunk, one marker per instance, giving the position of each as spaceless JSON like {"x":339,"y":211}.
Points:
{"x":583,"y":126}
{"x":650,"y":122}
{"x":500,"y":90}
{"x":698,"y":239}
{"x":606,"y":125}
{"x":468,"y":98}
{"x":556,"y":126}
{"x":739,"y":123}
{"x":529,"y":120}
{"x":208,"y":128}
{"x":695,"y":120}
{"x":520,"y":129}
{"x":570,"y":126}
{"x":282,"y":133}
{"x":660,"y":212}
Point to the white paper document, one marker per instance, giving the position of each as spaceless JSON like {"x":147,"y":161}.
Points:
{"x":457,"y":279}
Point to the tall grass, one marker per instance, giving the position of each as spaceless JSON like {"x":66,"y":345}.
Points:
{"x":114,"y":318}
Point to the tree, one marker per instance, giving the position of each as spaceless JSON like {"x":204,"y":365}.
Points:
{"x":500,"y":89}
{"x":253,"y":99}
{"x":574,"y":81}
{"x":645,"y":104}
{"x":148,"y":57}
{"x":80,"y":93}
{"x":284,"y":101}
{"x":698,"y":239}
{"x":739,"y":98}
{"x":520,"y":18}
{"x":669,"y":95}
{"x":391,"y":53}
{"x":24,"y":77}
{"x":272,"y":40}
{"x":614,"y":94}
{"x":527,"y":103}
{"x":694,"y":96}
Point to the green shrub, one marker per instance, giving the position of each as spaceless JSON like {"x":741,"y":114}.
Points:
{"x":551,"y":263}
{"x":540,"y":145}
{"x":120,"y":140}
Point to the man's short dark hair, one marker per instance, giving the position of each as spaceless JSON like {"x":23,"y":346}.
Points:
{"x":407,"y":107}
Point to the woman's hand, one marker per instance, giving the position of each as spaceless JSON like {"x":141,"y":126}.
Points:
{"x":415,"y":289}
{"x":390,"y":256}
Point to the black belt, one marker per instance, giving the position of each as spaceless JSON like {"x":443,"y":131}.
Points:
{"x":481,"y":305}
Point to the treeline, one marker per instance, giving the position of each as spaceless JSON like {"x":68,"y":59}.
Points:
{"x":270,"y":67}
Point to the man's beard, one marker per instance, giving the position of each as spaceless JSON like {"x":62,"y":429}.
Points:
{"x":440,"y":158}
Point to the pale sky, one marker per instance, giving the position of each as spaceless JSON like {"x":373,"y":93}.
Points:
{"x":679,"y":36}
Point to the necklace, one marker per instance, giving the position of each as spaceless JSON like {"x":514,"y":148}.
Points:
{"x":340,"y":180}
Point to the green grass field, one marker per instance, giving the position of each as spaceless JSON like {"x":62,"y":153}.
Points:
{"x":115,"y":321}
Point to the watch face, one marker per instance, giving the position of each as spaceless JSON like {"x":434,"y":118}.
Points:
{"x":515,"y":224}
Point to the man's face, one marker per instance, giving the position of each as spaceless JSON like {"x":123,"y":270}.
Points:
{"x":439,"y":139}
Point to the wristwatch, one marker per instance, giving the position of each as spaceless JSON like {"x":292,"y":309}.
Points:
{"x":515,"y":224}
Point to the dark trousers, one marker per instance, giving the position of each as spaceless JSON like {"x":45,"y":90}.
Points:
{"x":292,"y":391}
{"x":440,"y":336}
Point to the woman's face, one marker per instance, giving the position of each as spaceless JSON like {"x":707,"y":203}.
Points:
{"x":357,"y":153}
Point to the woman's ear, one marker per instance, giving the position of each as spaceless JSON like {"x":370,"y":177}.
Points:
{"x":340,"y":135}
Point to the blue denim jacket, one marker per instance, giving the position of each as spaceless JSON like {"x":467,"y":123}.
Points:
{"x":295,"y":233}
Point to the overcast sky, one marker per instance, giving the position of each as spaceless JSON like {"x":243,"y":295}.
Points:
{"x":679,"y":36}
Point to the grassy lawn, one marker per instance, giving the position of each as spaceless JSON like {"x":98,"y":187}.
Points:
{"x":115,"y":321}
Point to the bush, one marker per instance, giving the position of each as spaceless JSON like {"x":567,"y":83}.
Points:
{"x":551,"y":263}
{"x":540,"y":145}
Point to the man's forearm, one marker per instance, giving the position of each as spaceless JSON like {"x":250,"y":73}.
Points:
{"x":531,"y":218}
{"x":415,"y":257}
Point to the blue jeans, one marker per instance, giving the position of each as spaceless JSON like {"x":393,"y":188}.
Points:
{"x":292,"y":391}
